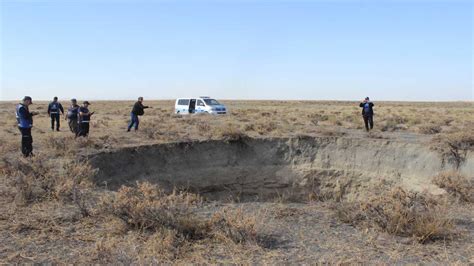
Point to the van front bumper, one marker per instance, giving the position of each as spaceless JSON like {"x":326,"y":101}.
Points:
{"x":218,"y":112}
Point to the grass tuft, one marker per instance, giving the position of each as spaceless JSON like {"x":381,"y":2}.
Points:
{"x":454,"y":146}
{"x":400,"y":213}
{"x":233,"y":225}
{"x":456,"y":185}
{"x":147,"y":207}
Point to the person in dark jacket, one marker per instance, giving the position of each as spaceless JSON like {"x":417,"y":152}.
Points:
{"x":368,"y":113}
{"x":25,"y":122}
{"x":84,"y":118}
{"x":54,"y":108}
{"x":72,"y":116}
{"x":138,"y":110}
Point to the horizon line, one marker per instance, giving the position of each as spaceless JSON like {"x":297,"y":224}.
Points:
{"x":240,"y":99}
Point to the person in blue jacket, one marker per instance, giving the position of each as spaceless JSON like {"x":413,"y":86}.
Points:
{"x":25,"y":122}
{"x":54,"y":108}
{"x":84,"y":118}
{"x":368,"y":113}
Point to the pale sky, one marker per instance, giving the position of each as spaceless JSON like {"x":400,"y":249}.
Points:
{"x":311,"y":50}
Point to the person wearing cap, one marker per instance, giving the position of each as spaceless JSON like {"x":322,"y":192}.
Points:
{"x":137,"y":110}
{"x":367,"y":113}
{"x":84,"y":118}
{"x":25,"y":122}
{"x":54,"y":108}
{"x":72,"y":116}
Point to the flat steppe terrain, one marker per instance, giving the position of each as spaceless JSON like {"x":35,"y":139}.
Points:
{"x":270,"y":182}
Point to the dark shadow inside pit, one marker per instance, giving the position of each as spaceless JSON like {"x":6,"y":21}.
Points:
{"x":250,"y":169}
{"x":244,"y":169}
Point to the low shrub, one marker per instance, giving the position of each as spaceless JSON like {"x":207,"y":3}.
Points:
{"x":87,"y":142}
{"x":148,"y":208}
{"x":78,"y":177}
{"x":230,"y":132}
{"x":430,"y":129}
{"x":456,"y":185}
{"x":37,"y":178}
{"x":166,"y":245}
{"x":400,"y":213}
{"x":204,"y":127}
{"x":233,"y":225}
{"x":265,"y":127}
{"x":162,"y":246}
{"x":150,"y":131}
{"x":392,"y":125}
{"x":454,"y":146}
{"x":58,"y":144}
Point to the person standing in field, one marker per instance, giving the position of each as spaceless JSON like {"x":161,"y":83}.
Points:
{"x":25,"y":122}
{"x":137,"y":110}
{"x":84,"y":118}
{"x":367,"y":113}
{"x":72,"y":116}
{"x":54,"y":108}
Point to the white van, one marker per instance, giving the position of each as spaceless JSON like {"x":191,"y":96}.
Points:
{"x":201,"y":104}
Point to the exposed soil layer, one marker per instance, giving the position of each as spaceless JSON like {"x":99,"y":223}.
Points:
{"x":292,"y":168}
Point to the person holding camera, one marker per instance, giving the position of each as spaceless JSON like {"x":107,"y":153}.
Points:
{"x":368,"y":113}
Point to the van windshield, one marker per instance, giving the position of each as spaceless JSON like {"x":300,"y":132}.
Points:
{"x":211,"y":102}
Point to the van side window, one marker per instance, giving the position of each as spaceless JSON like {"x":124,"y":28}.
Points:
{"x":183,"y":102}
{"x":200,"y":103}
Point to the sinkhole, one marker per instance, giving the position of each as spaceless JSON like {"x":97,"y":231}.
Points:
{"x":252,"y":169}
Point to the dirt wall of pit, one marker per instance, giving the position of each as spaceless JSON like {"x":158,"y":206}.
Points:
{"x":268,"y":168}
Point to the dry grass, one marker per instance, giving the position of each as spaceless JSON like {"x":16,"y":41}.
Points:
{"x":456,"y":185}
{"x":160,"y":246}
{"x":230,"y":132}
{"x":167,"y":225}
{"x":454,"y":146}
{"x":234,"y":225}
{"x":38,"y":179}
{"x":48,"y":204}
{"x":401,"y":213}
{"x":430,"y":129}
{"x":251,"y":118}
{"x":149,"y":208}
